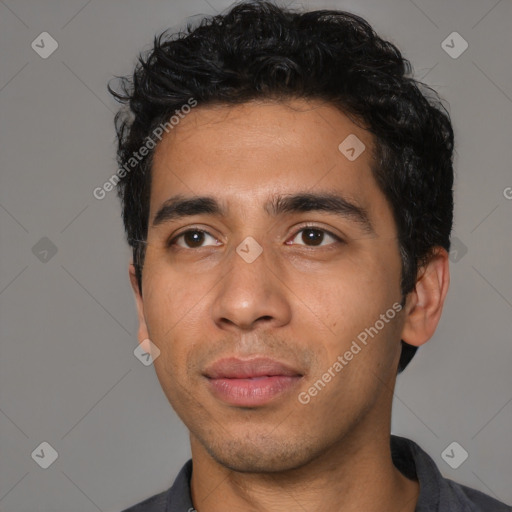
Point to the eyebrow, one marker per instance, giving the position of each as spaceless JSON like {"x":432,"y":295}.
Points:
{"x":179,"y":206}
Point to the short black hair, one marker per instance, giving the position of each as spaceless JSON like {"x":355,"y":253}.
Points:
{"x":259,"y":50}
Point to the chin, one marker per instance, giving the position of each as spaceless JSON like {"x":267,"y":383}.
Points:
{"x":261,"y":455}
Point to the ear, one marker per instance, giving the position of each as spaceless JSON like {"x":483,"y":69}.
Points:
{"x":424,"y":304}
{"x":143,"y":329}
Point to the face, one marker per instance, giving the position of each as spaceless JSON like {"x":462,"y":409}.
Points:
{"x":258,"y":297}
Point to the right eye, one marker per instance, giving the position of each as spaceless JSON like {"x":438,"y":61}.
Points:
{"x":192,"y":238}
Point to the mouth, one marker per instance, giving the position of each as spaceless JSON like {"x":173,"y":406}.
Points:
{"x":250,"y":383}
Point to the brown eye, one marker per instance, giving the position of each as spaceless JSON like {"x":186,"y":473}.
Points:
{"x":313,"y":237}
{"x":192,"y":239}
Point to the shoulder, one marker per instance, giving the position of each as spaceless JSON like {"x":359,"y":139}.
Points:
{"x":437,"y":492}
{"x":465,"y":498}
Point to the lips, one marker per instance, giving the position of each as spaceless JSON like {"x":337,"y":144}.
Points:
{"x":250,"y":383}
{"x":234,"y":368}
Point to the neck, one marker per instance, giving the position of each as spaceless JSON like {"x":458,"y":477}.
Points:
{"x":355,"y":474}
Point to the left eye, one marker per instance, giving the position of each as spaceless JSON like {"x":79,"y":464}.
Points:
{"x":313,"y":237}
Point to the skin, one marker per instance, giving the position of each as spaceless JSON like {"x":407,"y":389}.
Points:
{"x":298,"y":302}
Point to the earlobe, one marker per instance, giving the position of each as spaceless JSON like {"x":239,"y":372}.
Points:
{"x":143,"y":332}
{"x":424,"y":304}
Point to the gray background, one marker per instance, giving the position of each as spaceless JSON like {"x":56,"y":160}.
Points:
{"x":68,"y":373}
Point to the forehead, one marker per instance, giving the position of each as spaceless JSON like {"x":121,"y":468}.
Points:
{"x":243,"y":154}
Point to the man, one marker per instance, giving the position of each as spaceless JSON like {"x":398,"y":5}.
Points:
{"x":287,"y":192}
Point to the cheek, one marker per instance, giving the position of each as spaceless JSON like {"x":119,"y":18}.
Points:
{"x":171,"y":308}
{"x":375,"y":273}
{"x":345,"y":299}
{"x":172,"y":292}
{"x":361,"y":282}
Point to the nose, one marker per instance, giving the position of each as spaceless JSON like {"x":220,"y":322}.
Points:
{"x":251,"y":294}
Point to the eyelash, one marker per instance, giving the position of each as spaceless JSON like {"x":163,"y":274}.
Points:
{"x":170,"y":243}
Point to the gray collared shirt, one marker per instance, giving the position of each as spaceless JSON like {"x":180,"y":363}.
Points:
{"x":437,"y":494}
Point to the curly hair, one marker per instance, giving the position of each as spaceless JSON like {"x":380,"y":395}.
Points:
{"x":258,"y":50}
